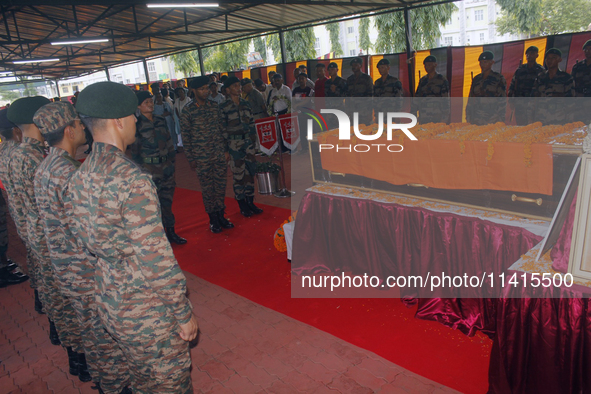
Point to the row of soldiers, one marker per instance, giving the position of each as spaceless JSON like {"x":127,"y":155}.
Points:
{"x":97,"y":253}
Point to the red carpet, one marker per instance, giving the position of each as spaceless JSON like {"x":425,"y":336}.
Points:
{"x":244,"y":261}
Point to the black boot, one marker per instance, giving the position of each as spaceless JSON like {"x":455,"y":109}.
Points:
{"x":38,"y":304}
{"x":10,"y":265}
{"x":83,"y":374}
{"x":53,"y":337}
{"x":256,"y":210}
{"x":225,"y":223}
{"x":174,"y":237}
{"x":8,"y":278}
{"x":126,"y":390}
{"x":244,"y":208}
{"x":73,"y":360}
{"x":214,"y":223}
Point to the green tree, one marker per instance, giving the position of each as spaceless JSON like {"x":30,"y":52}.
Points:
{"x":299,"y":45}
{"x":364,"y":41}
{"x":260,"y":46}
{"x":543,"y":17}
{"x":9,"y":95}
{"x":425,"y":25}
{"x":186,"y":62}
{"x":228,"y":57}
{"x":334,"y":32}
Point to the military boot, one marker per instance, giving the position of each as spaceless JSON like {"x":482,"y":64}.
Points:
{"x":244,"y":208}
{"x":53,"y":337}
{"x":83,"y":373}
{"x":225,"y":223}
{"x":214,"y":223}
{"x":38,"y":304}
{"x":250,"y":201}
{"x":174,"y":237}
{"x":73,"y":361}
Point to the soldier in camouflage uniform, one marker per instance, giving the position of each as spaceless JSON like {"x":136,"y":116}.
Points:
{"x":553,"y":83}
{"x":72,"y":264}
{"x":335,"y":86}
{"x":387,"y":85}
{"x":205,"y":149}
{"x":360,"y":85}
{"x":581,"y":73}
{"x":154,"y":151}
{"x":522,"y":84}
{"x":140,"y":289}
{"x":23,"y":163}
{"x":238,"y":130}
{"x":486,"y":84}
{"x":432,"y":96}
{"x":8,"y":273}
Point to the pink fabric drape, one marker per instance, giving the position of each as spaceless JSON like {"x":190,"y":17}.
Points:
{"x":560,"y":252}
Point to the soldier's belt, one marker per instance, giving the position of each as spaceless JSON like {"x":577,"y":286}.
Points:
{"x":262,"y":112}
{"x":237,"y":136}
{"x":155,"y":160}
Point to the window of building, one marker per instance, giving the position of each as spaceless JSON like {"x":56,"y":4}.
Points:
{"x":317,"y":44}
{"x":75,"y":88}
{"x":481,"y":37}
{"x":449,"y":41}
{"x":352,"y":52}
{"x":151,"y":67}
{"x":350,"y":30}
{"x":66,"y":89}
{"x":478,"y":15}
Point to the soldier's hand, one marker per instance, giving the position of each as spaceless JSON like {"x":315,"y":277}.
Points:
{"x":189,"y":330}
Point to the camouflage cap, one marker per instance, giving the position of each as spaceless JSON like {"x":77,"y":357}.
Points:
{"x":245,"y":81}
{"x":383,"y":62}
{"x":23,"y":109}
{"x":430,"y":59}
{"x":107,"y":100}
{"x":198,"y":82}
{"x":230,"y":81}
{"x":357,"y":60}
{"x":532,"y":48}
{"x":486,"y":55}
{"x":4,"y":122}
{"x":554,"y":51}
{"x":333,"y":65}
{"x":53,"y":116}
{"x":586,"y":44}
{"x":142,"y":96}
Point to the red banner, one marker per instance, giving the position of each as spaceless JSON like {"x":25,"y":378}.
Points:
{"x":290,"y":130}
{"x":267,"y":134}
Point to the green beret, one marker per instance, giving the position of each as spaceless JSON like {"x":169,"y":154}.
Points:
{"x":198,"y":82}
{"x":142,"y":96}
{"x":383,"y":62}
{"x":357,"y":60}
{"x":586,"y":44}
{"x":245,"y":81}
{"x":532,"y":48}
{"x":431,"y":59}
{"x":554,"y":51}
{"x":486,"y":55}
{"x":4,"y":122}
{"x":230,"y":81}
{"x":54,"y":116}
{"x":23,"y":109}
{"x":333,"y":65}
{"x":107,"y":100}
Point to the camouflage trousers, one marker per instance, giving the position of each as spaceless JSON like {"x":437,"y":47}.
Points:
{"x":243,"y":166}
{"x":163,"y":177}
{"x":3,"y":226}
{"x":31,"y":264}
{"x":106,"y":362}
{"x":157,"y":357}
{"x":56,"y":305}
{"x":211,"y":171}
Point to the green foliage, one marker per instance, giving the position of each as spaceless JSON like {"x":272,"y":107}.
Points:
{"x":364,"y":41}
{"x":334,"y":31}
{"x":299,"y":45}
{"x":260,"y":46}
{"x":228,"y":57}
{"x":425,"y":22}
{"x":186,"y":62}
{"x":9,"y":95}
{"x":543,"y":17}
{"x":267,"y":166}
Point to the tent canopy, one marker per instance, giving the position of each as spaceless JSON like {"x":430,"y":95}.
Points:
{"x":136,"y":32}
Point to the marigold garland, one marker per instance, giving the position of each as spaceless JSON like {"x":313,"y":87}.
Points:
{"x":279,"y":238}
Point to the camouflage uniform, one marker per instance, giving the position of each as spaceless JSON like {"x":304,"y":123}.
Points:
{"x":481,"y":112}
{"x":360,"y":87}
{"x":257,"y":104}
{"x":140,"y":289}
{"x":549,"y":111}
{"x":201,"y":129}
{"x":238,"y":130}
{"x":429,"y":102}
{"x":153,"y":150}
{"x":391,"y":87}
{"x":341,"y":87}
{"x":5,"y":149}
{"x":74,"y":271}
{"x":581,"y":73}
{"x":521,"y":86}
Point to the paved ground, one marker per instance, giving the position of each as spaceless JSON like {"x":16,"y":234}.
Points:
{"x":242,"y":348}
